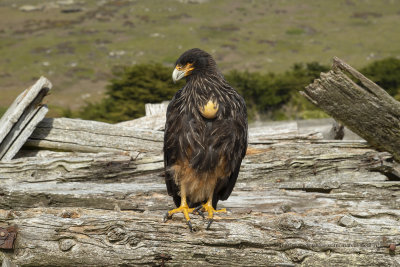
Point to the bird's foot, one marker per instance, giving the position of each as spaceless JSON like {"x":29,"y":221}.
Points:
{"x":210,"y":210}
{"x":199,"y":211}
{"x":182,"y":209}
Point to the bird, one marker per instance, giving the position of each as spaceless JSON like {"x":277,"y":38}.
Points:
{"x":205,"y":137}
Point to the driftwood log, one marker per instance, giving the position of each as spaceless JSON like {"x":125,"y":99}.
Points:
{"x":91,"y":136}
{"x":298,"y":202}
{"x":154,"y":119}
{"x":364,"y":107}
{"x":21,"y":118}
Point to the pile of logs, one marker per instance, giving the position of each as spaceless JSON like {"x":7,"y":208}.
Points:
{"x":85,"y":193}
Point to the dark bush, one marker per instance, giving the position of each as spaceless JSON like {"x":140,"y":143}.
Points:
{"x":268,"y":96}
{"x":386,"y":73}
{"x":130,"y":89}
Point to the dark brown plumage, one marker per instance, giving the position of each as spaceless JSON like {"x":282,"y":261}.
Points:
{"x":205,"y":136}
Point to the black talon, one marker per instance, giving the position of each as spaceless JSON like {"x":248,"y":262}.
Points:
{"x":167,"y":217}
{"x":209,"y":224}
{"x":198,"y":210}
{"x":190,"y":226}
{"x":201,"y":214}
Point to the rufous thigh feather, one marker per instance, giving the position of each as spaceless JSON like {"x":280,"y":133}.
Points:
{"x":199,"y":186}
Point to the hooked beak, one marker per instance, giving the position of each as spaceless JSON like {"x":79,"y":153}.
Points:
{"x":177,"y":75}
{"x":180,"y":72}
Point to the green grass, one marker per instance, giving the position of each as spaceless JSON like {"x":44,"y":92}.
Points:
{"x":2,"y":111}
{"x":253,"y":35}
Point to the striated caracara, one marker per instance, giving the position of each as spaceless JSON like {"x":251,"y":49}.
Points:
{"x":205,"y":137}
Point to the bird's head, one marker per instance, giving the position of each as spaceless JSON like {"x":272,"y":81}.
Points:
{"x":193,"y":62}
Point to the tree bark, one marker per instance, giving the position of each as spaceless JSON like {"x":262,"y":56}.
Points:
{"x":296,"y":203}
{"x":364,"y":107}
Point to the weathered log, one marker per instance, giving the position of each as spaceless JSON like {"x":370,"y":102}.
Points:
{"x":337,"y":131}
{"x":156,"y":109}
{"x":152,"y":122}
{"x":106,"y":180}
{"x":86,"y":237}
{"x":303,"y":202}
{"x":16,"y":139}
{"x":22,"y":116}
{"x":365,"y":108}
{"x":276,"y":132}
{"x":92,"y":136}
{"x":154,"y":119}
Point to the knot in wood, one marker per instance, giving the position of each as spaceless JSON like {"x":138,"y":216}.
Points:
{"x":347,"y":221}
{"x":289,"y":222}
{"x":7,"y":237}
{"x":66,"y":244}
{"x":69,"y":214}
{"x":133,"y":240}
{"x":116,"y":233}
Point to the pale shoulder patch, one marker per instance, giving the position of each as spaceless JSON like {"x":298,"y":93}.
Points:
{"x":209,"y":110}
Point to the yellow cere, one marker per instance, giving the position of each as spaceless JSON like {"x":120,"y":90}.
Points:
{"x":210,"y":110}
{"x":187,"y":68}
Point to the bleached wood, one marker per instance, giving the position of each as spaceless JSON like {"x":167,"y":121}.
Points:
{"x":16,"y":109}
{"x":29,"y":124}
{"x":365,"y":108}
{"x":304,"y":202}
{"x":151,"y":122}
{"x":91,"y":136}
{"x":154,"y":119}
{"x":19,"y":115}
{"x":156,"y":109}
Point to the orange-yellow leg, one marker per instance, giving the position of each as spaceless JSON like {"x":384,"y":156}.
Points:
{"x":210,"y":210}
{"x":183,"y":208}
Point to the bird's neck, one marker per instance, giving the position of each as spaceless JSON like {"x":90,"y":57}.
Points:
{"x":206,"y":79}
{"x":200,"y":89}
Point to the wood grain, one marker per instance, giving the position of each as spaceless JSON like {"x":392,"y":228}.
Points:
{"x":296,"y":203}
{"x":20,"y":119}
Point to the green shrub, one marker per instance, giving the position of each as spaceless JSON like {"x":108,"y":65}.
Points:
{"x":386,"y":73}
{"x":268,"y":95}
{"x":129,"y":90}
{"x":2,"y":111}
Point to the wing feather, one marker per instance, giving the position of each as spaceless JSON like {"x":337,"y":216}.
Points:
{"x":172,"y":124}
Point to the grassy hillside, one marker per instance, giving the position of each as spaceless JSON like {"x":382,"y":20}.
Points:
{"x":77,"y":43}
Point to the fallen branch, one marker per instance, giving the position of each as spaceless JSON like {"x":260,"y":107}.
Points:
{"x":365,"y":108}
